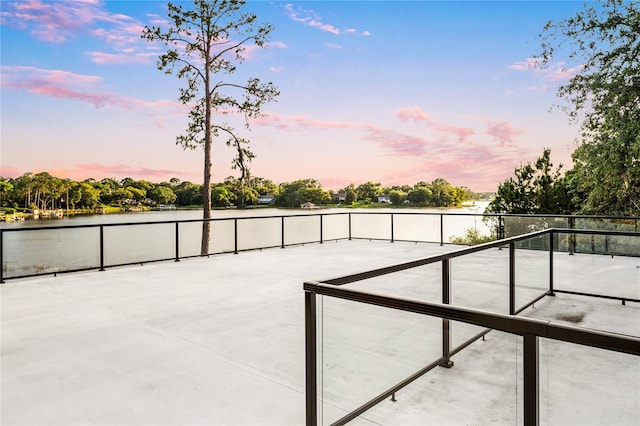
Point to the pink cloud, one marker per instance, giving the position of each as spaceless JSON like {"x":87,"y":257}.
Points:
{"x":416,"y":114}
{"x":299,"y":122}
{"x":398,"y":143}
{"x":54,"y":21}
{"x":10,"y":172}
{"x":502,"y":131}
{"x":82,"y":88}
{"x":100,"y":171}
{"x":57,"y":21}
{"x":413,"y":114}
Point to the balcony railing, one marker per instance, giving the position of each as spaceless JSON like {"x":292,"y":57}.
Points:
{"x":27,"y":251}
{"x":524,"y":290}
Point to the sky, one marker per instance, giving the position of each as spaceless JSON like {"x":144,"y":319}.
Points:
{"x":386,"y":91}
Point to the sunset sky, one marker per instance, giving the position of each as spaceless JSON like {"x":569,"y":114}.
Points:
{"x":386,"y":91}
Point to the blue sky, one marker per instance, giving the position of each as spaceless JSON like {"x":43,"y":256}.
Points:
{"x":388,"y":91}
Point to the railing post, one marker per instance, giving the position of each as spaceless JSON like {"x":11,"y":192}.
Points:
{"x":551,"y":241}
{"x":572,"y":236}
{"x":235,"y":236}
{"x":446,"y":299}
{"x":349,"y":226}
{"x":512,"y":278}
{"x":321,"y":229}
{"x":1,"y":257}
{"x":282,"y":232}
{"x":392,"y":227}
{"x":531,"y":380}
{"x":101,"y":247}
{"x":441,"y":229}
{"x":177,"y":243}
{"x":310,"y":359}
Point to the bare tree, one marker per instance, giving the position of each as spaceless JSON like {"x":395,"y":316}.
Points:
{"x":204,"y":46}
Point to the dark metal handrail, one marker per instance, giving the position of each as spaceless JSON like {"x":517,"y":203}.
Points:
{"x":320,"y":238}
{"x":530,"y":329}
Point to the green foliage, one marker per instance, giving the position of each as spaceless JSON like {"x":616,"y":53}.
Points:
{"x":162,"y":195}
{"x":534,"y":188}
{"x":369,"y":191}
{"x":298,"y":192}
{"x":471,"y":237}
{"x":397,"y":197}
{"x":351,"y":196}
{"x":603,"y":40}
{"x":222,"y":196}
{"x":142,"y":193}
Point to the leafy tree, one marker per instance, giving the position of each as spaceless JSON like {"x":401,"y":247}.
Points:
{"x":369,"y":191}
{"x":351,"y":196}
{"x":264,"y":186}
{"x":88,"y":195}
{"x":222,"y":195}
{"x":534,"y":188}
{"x":603,"y":39}
{"x":204,"y":45}
{"x":420,"y":195}
{"x":397,"y":196}
{"x":244,"y":194}
{"x":5,"y":189}
{"x":241,"y":161}
{"x":298,"y":192}
{"x":162,"y":195}
{"x":188,"y":194}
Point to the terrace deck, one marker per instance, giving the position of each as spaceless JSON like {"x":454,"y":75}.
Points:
{"x":220,"y":341}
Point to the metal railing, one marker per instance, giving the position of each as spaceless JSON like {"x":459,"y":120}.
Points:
{"x":28,"y":251}
{"x":530,"y":329}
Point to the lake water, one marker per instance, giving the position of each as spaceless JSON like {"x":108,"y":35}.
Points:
{"x":82,"y":244}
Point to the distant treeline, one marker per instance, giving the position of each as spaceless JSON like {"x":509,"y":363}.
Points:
{"x":44,"y":191}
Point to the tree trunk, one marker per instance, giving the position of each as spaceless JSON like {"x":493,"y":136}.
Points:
{"x":206,"y":186}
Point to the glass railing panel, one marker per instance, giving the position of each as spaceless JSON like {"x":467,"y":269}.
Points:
{"x":189,"y":238}
{"x":41,"y":251}
{"x":468,"y":229}
{"x":520,"y":225}
{"x":608,"y":275}
{"x":366,"y":349}
{"x":256,"y":233}
{"x":531,"y":269}
{"x":335,"y":226}
{"x":416,"y":227}
{"x":302,"y":229}
{"x":371,"y":225}
{"x":481,"y":281}
{"x":480,"y":389}
{"x":221,"y":237}
{"x":581,"y":385}
{"x":629,"y":224}
{"x":422,"y":283}
{"x":622,"y":245}
{"x":138,"y":243}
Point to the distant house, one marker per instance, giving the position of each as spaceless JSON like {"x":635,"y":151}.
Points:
{"x":340,"y":197}
{"x":384,"y":199}
{"x":266,"y":199}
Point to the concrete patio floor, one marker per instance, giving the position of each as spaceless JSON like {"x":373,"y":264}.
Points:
{"x":220,"y":341}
